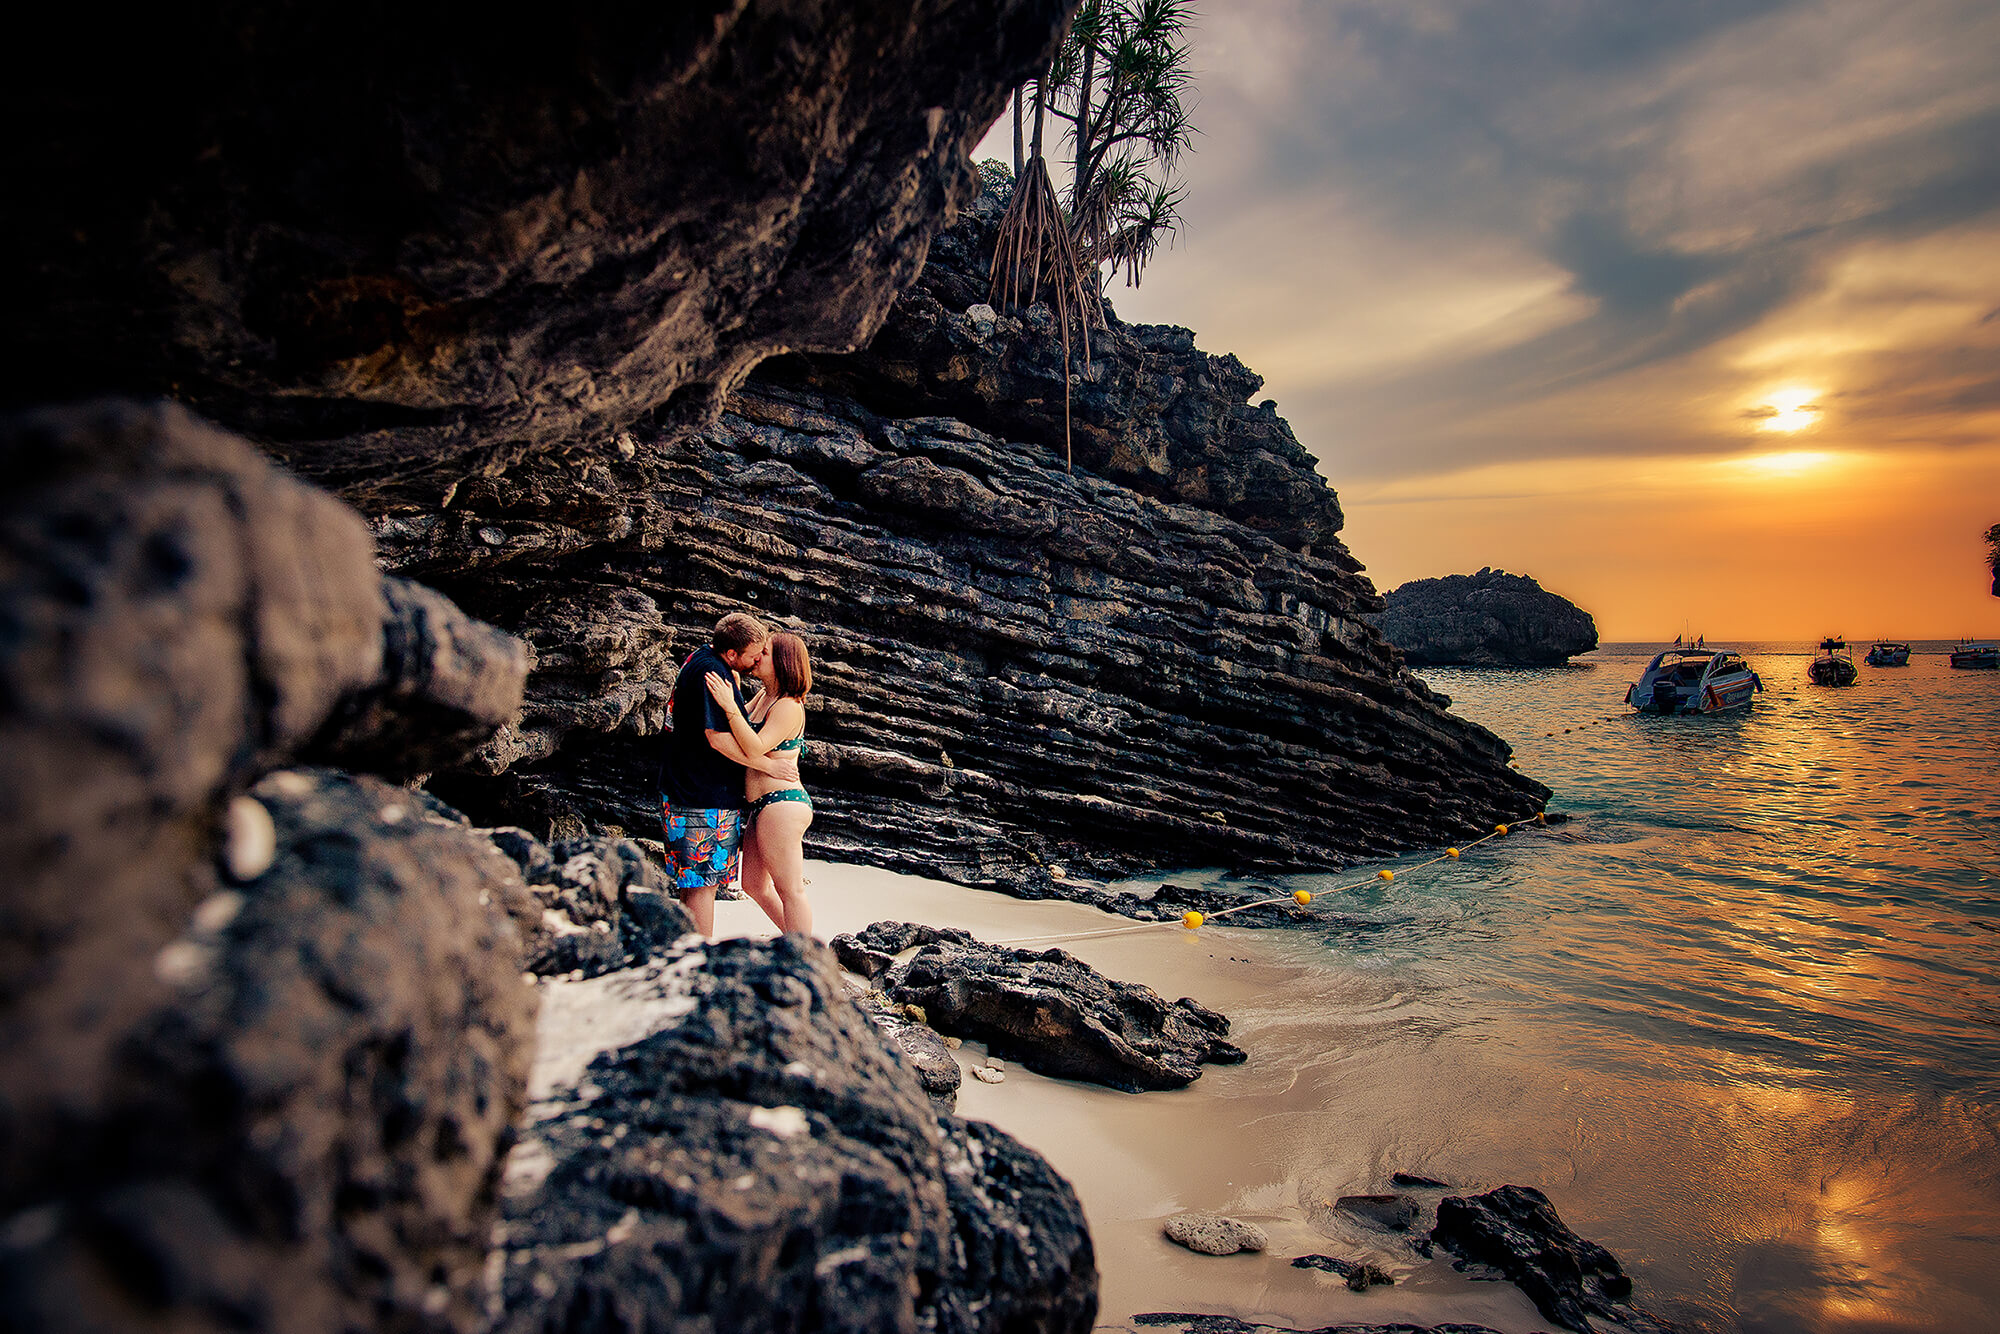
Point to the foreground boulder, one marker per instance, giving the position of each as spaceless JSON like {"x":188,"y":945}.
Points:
{"x":181,"y":617}
{"x":1051,"y":1012}
{"x":1516,"y":1230}
{"x":1488,"y":619}
{"x":748,"y":1154}
{"x":301,"y":1102}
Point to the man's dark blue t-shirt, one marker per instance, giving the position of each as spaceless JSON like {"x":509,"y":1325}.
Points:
{"x":692,"y":774}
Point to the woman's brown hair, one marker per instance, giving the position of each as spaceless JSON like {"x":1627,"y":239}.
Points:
{"x":790,"y":666}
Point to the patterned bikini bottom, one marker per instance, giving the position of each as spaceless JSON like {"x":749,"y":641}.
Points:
{"x":757,"y":804}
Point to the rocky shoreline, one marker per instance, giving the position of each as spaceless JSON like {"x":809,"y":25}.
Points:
{"x":405,"y":432}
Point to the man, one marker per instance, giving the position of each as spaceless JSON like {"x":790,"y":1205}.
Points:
{"x":701,"y":775}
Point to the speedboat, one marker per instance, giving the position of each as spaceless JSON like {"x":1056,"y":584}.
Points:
{"x":1889,"y":653}
{"x":1835,"y":664}
{"x":1978,"y":654}
{"x":1694,"y":680}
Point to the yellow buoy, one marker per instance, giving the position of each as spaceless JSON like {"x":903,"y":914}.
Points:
{"x":1191,"y":919}
{"x":1541,"y":817}
{"x":1451,"y":853}
{"x":1301,"y":896}
{"x":1385,"y":875}
{"x":1499,"y":828}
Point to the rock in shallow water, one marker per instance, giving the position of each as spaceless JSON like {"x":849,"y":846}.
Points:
{"x":1214,"y":1234}
{"x":1516,"y":1230}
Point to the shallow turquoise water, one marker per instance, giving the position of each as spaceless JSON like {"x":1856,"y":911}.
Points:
{"x":1739,"y":1016}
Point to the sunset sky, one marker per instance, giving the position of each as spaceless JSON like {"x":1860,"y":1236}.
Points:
{"x":1689,"y":310}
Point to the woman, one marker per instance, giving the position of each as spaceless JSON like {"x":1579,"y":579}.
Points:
{"x":775,"y":811}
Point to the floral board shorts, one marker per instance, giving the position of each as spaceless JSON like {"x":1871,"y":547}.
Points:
{"x":701,"y":846}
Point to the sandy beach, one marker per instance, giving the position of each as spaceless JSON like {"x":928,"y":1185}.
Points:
{"x":1226,"y":1144}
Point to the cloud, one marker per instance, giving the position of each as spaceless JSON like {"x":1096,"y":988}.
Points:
{"x":1445,"y":231}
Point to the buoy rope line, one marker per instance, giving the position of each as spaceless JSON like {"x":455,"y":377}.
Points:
{"x":1194,"y":921}
{"x":1607,"y":718}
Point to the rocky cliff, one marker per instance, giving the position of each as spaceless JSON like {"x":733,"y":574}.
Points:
{"x":265,"y":1030}
{"x":1158,"y":657}
{"x":1488,"y":619}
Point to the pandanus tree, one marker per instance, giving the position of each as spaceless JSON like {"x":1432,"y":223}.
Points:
{"x":1119,"y":81}
{"x":1993,"y":556}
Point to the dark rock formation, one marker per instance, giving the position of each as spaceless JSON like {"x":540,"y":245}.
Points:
{"x":1516,"y":1230}
{"x":412,"y":260}
{"x":1147,"y":409}
{"x":448,"y":684}
{"x":289,"y":1114}
{"x":872,"y":951}
{"x":1489,"y":619}
{"x":1019,"y":668}
{"x":762,"y":1160}
{"x":603,"y":904}
{"x":1053,"y":1013}
{"x":1360,"y":1276}
{"x":179,"y":616}
{"x":924,"y":1049}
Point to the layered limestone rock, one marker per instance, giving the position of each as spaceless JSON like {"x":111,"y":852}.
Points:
{"x":1488,"y":619}
{"x":1019,"y":667}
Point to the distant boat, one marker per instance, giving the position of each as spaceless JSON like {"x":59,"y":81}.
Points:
{"x":1978,"y":654}
{"x":1694,"y":680}
{"x":1835,"y":664}
{"x":1889,"y":653}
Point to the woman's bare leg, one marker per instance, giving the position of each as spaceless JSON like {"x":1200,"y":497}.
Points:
{"x":756,"y":879}
{"x":781,"y":831}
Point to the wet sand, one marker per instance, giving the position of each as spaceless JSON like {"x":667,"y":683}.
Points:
{"x":1229,"y":1143}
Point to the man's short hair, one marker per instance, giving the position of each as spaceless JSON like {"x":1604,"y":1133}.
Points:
{"x":738,"y":631}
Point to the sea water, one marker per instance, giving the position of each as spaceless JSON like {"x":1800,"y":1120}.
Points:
{"x":1739,"y":1016}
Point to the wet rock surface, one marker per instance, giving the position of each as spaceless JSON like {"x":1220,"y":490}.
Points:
{"x":1517,"y":1231}
{"x":1488,"y":619}
{"x":299,"y":1124}
{"x":1396,"y":1213}
{"x":1359,"y":1274}
{"x":1214,"y":1234}
{"x":746,"y":1120}
{"x":1051,"y":1012}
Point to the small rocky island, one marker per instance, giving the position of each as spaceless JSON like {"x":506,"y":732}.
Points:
{"x":1488,"y":619}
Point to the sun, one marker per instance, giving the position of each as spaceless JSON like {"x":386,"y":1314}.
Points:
{"x":1787,"y":411}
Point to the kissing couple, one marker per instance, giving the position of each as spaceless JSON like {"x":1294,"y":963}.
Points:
{"x":731,"y":803}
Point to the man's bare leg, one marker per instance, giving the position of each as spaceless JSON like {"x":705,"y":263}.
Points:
{"x":757,"y":884}
{"x":700,"y":903}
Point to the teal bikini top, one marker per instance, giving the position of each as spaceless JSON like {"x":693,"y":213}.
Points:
{"x":797,"y":743}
